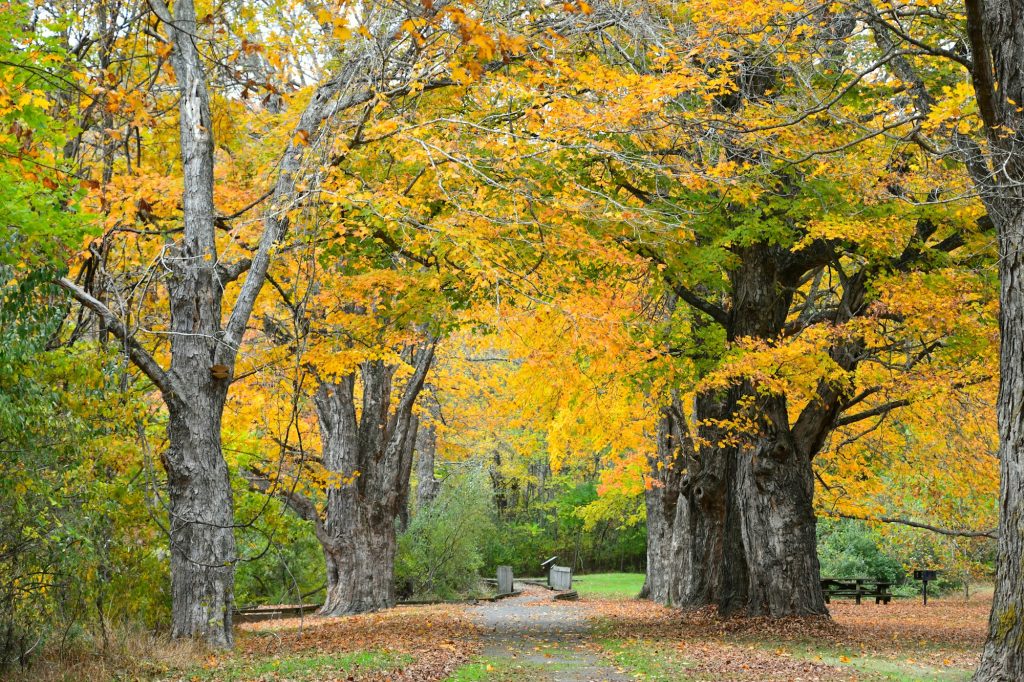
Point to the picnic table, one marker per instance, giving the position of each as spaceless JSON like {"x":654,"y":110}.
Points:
{"x":857,"y":588}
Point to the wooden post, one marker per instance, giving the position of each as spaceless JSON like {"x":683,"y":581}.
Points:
{"x":505,"y":580}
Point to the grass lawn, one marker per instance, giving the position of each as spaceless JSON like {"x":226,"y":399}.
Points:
{"x":301,"y":667}
{"x":609,"y":585}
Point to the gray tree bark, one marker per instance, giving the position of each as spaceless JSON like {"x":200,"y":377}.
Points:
{"x":427,"y":486}
{"x":667,"y":556}
{"x":203,"y":348}
{"x":374,"y":449}
{"x":995,"y":29}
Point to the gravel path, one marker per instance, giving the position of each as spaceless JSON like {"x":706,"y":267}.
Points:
{"x":532,"y":637}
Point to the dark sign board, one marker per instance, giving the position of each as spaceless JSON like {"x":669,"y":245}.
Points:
{"x":925,"y":575}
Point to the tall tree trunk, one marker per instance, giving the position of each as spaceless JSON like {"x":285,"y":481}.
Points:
{"x":1003,"y":656}
{"x":774,"y":486}
{"x":201,"y":521}
{"x":995,"y":29}
{"x":405,"y":473}
{"x":666,"y":560}
{"x":372,"y":453}
{"x":427,"y":487}
{"x":201,"y":508}
{"x":204,"y":348}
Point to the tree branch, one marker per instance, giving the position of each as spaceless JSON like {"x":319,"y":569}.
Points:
{"x":982,"y":71}
{"x":303,"y":507}
{"x":716,"y":313}
{"x":878,"y":411}
{"x":993,"y":534}
{"x":139,"y":356}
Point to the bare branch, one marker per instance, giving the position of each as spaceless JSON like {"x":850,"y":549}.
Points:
{"x":952,"y":532}
{"x":139,"y":356}
{"x":878,"y":411}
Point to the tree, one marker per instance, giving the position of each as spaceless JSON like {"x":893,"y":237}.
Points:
{"x":995,"y":30}
{"x":724,"y":173}
{"x":358,"y":534}
{"x":204,"y":346}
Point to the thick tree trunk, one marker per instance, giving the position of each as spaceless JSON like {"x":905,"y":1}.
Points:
{"x":686,"y":504}
{"x":361,"y":564}
{"x":775,"y":490}
{"x":700,"y":530}
{"x":201,"y":522}
{"x":995,"y":30}
{"x":770,"y":564}
{"x":742,"y":527}
{"x":372,"y":453}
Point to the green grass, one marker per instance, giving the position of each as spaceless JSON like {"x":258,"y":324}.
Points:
{"x":300,"y":667}
{"x":499,"y":669}
{"x":650,"y":661}
{"x":614,"y":585}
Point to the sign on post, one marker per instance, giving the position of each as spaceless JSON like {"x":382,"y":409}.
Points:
{"x":924,"y":575}
{"x":504,"y":580}
{"x":546,"y":567}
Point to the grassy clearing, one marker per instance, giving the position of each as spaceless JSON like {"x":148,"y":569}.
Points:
{"x":300,"y":668}
{"x":879,"y":668}
{"x":609,"y":585}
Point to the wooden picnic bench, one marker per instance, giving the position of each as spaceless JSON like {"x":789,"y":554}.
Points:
{"x":857,"y":588}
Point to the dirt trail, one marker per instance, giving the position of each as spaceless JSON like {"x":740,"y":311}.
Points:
{"x":532,"y":637}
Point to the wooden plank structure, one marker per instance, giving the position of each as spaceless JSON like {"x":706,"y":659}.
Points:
{"x":256,"y":614}
{"x":560,"y":578}
{"x":505,"y":580}
{"x":857,"y":588}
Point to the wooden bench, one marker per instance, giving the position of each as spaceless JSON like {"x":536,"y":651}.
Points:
{"x":857,"y":588}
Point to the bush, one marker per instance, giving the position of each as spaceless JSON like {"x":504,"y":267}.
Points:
{"x":75,"y":535}
{"x":440,"y":553}
{"x":849,"y":549}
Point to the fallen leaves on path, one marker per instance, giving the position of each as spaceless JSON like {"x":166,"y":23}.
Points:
{"x":438,"y":638}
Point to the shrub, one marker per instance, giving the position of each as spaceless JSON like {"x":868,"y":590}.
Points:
{"x":440,"y":553}
{"x":849,"y":549}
